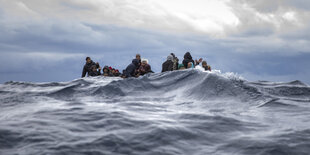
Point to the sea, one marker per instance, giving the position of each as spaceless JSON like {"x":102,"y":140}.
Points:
{"x":187,"y":112}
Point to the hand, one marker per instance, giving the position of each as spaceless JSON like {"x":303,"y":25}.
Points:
{"x":200,"y":60}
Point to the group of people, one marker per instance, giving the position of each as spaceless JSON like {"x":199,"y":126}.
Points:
{"x":93,"y":69}
{"x":140,"y":67}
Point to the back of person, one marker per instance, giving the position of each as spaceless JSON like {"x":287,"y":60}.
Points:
{"x":168,"y":64}
{"x":131,"y":69}
{"x":187,"y":58}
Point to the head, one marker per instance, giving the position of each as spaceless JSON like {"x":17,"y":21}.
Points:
{"x":187,"y":55}
{"x":143,"y":62}
{"x":173,"y":55}
{"x":170,"y":57}
{"x":138,"y":56}
{"x":94,"y":68}
{"x":88,"y":60}
{"x":136,"y":62}
{"x":204,"y":64}
{"x":189,"y":65}
{"x":113,"y":71}
{"x":106,"y":69}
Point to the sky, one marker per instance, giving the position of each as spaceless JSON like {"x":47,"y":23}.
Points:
{"x":48,"y":40}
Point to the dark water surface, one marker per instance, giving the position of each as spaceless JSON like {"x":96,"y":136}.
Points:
{"x":184,"y":112}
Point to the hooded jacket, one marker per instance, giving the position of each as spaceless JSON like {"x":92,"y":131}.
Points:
{"x":131,"y":68}
{"x":87,"y":68}
{"x":187,"y":58}
{"x":168,"y":65}
{"x":144,"y":69}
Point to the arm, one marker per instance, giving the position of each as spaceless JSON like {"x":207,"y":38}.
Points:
{"x":162,"y":67}
{"x":84,"y":72}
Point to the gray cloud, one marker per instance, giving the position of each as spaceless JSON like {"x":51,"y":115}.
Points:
{"x":51,"y":38}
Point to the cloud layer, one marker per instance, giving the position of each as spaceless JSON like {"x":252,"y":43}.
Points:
{"x":260,"y":40}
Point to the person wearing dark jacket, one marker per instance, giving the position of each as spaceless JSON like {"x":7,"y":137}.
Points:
{"x":188,"y":58}
{"x":131,"y":69}
{"x":87,"y":67}
{"x":94,"y":71}
{"x":168,"y":65}
{"x":143,"y":69}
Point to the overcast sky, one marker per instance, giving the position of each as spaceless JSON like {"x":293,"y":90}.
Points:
{"x":48,"y":40}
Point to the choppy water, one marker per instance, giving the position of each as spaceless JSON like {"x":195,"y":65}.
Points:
{"x":183,"y":112}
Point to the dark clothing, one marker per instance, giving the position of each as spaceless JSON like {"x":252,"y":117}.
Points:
{"x":94,"y":73}
{"x":131,"y":68}
{"x":144,"y":69}
{"x":187,"y":58}
{"x":167,"y":66}
{"x":87,"y":68}
{"x":207,"y":68}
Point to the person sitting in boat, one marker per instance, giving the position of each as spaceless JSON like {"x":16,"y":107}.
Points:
{"x":175,"y":61}
{"x":87,"y":67}
{"x":106,"y":71}
{"x":94,"y":71}
{"x":138,"y":56}
{"x":116,"y":73}
{"x":168,"y":64}
{"x":181,"y":67}
{"x":131,"y":69}
{"x":188,"y":58}
{"x":190,"y":65}
{"x":144,"y":68}
{"x":206,"y":66}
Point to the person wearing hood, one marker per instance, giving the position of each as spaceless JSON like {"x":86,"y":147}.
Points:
{"x":131,"y":69}
{"x":88,"y":67}
{"x":175,"y":61}
{"x":106,"y":71}
{"x":168,"y":64}
{"x":188,"y":58}
{"x":94,"y":71}
{"x":144,"y":68}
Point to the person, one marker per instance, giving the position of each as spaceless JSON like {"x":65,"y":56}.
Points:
{"x":188,"y":58}
{"x":190,"y":65}
{"x":106,"y":71}
{"x":131,"y":69}
{"x":144,"y":68}
{"x":116,"y":73}
{"x":175,"y":61}
{"x":138,"y":56}
{"x":94,"y":71}
{"x":181,"y":67}
{"x":206,"y":66}
{"x":87,"y":67}
{"x":168,"y":64}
